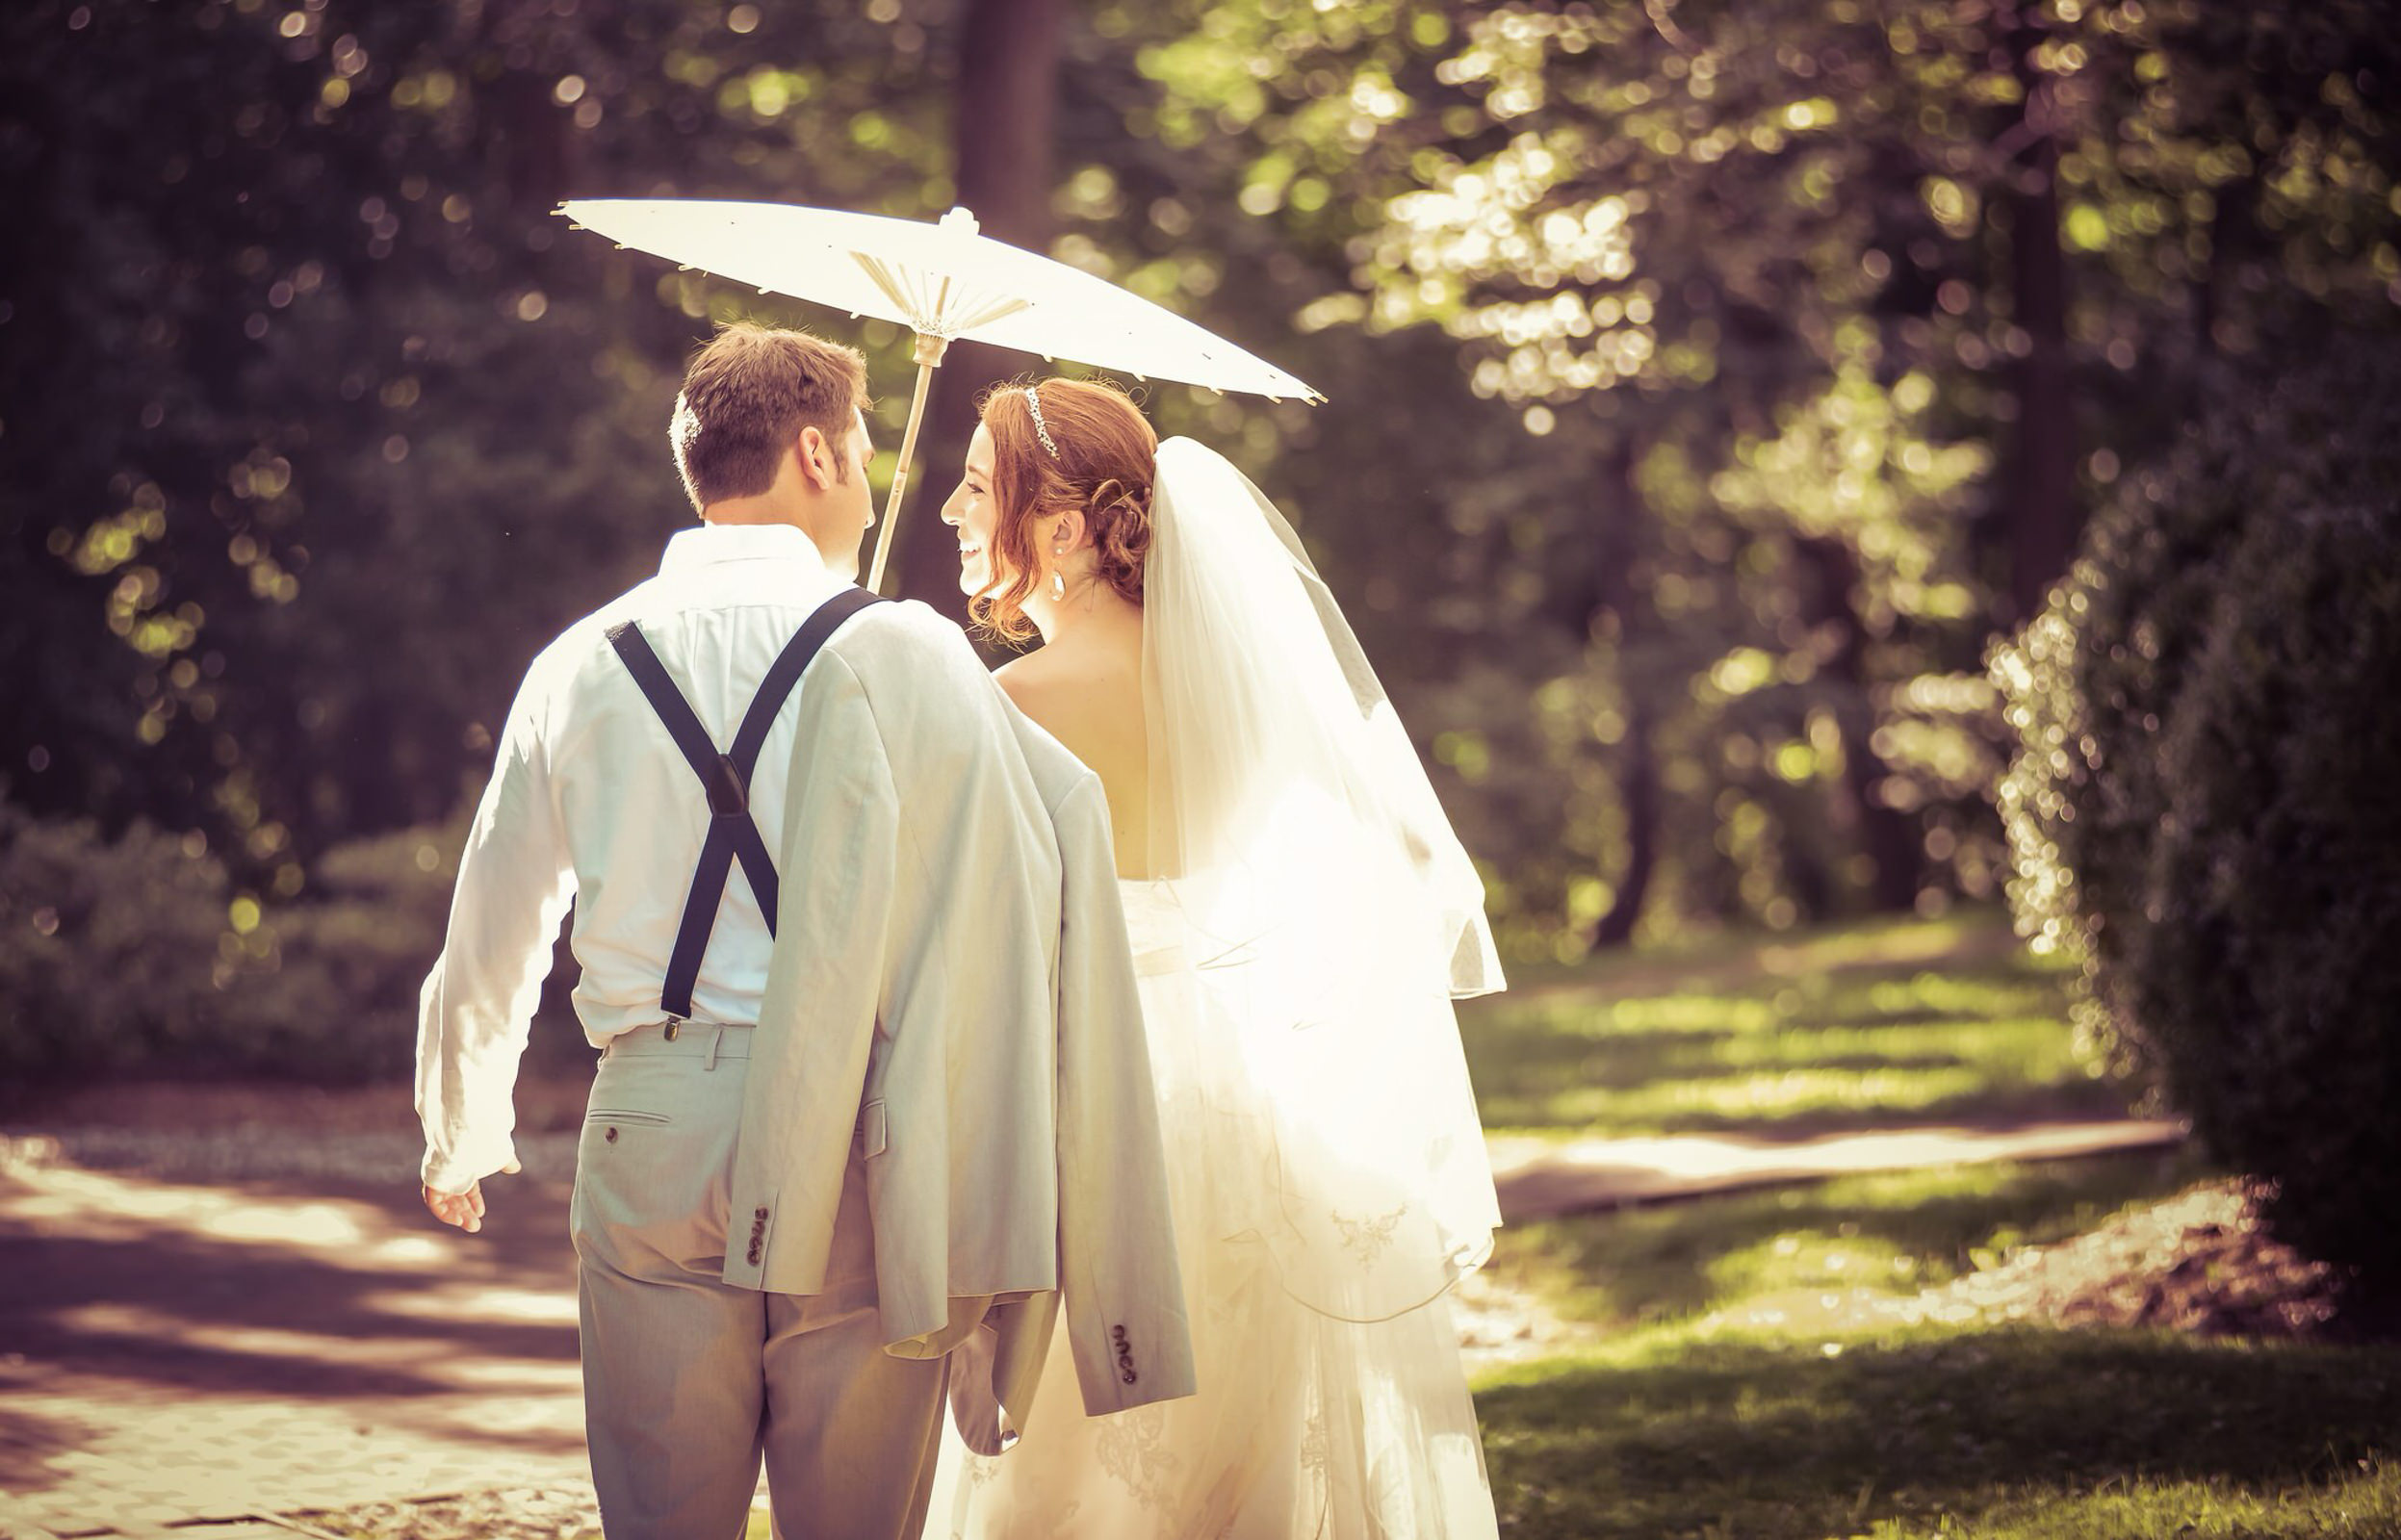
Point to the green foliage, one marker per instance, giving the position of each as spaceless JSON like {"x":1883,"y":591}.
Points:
{"x":335,"y":1000}
{"x":1739,"y":281}
{"x":338,"y":423}
{"x":113,"y":953}
{"x":2266,"y":972}
{"x":2205,"y":800}
{"x":138,"y":956}
{"x":2087,"y":685}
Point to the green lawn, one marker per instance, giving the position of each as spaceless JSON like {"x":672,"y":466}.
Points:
{"x":1751,"y":1375}
{"x":1928,"y":1432}
{"x":1902,"y":1022}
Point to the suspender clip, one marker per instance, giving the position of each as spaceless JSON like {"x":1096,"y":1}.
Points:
{"x":727,"y":797}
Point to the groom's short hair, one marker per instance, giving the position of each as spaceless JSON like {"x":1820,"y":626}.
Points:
{"x":747,"y":397}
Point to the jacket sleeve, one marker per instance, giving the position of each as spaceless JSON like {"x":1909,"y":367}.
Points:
{"x":1125,"y":1315}
{"x":825,"y":985}
{"x":515,"y":878}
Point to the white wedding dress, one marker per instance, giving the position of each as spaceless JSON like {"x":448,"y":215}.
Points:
{"x":1327,"y":1167}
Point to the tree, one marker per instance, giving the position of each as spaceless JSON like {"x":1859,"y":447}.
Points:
{"x":1002,"y":135}
{"x":354,"y":423}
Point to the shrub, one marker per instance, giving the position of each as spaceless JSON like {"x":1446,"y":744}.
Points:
{"x":134,"y":956}
{"x":2206,"y":800}
{"x":2087,"y":685}
{"x":111,"y":951}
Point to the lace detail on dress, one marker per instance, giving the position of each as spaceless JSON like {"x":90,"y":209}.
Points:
{"x":1366,"y":1239}
{"x":1132,"y":1447}
{"x":1316,"y":1444}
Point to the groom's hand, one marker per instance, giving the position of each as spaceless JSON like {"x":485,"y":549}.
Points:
{"x":462,"y":1209}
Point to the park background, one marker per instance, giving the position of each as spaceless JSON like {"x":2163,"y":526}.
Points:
{"x":1878,"y":513}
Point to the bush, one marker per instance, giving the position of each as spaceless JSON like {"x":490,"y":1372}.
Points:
{"x":111,"y":951}
{"x":336,"y":1000}
{"x":2087,"y":685}
{"x":2207,"y":798}
{"x":135,"y":954}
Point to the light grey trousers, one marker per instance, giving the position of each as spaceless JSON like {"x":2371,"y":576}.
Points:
{"x":688,"y":1383}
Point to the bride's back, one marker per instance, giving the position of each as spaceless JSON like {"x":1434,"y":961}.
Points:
{"x":1085,"y":690}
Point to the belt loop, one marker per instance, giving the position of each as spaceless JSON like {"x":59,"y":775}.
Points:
{"x":717,"y":1036}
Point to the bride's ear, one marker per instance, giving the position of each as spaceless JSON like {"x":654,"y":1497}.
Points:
{"x":1069,"y":532}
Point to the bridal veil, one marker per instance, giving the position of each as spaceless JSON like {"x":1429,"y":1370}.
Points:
{"x":1323,"y":901}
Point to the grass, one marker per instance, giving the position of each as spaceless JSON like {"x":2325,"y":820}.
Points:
{"x":1887,"y":1235}
{"x":1902,"y":1022}
{"x":1750,"y":1376}
{"x":1748,"y":1384}
{"x":1928,"y":1432}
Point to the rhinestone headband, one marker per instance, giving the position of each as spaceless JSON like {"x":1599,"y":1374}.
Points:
{"x":1033,"y":404}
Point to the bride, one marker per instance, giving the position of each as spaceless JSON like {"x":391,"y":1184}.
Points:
{"x":1302,"y":917}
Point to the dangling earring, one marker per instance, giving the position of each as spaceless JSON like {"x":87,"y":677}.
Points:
{"x":1058,"y":579}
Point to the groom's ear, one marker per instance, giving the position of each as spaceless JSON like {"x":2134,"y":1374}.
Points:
{"x":820,"y":461}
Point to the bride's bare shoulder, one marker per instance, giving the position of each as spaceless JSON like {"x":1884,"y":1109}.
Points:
{"x":1080,"y":697}
{"x":1029,"y":682}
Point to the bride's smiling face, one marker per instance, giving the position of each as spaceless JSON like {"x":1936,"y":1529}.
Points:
{"x":972,"y":511}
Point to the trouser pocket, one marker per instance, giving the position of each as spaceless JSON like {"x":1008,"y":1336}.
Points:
{"x":652,"y":1164}
{"x":625,"y":1114}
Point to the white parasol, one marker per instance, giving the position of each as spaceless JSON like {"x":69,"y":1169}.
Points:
{"x":942,"y":281}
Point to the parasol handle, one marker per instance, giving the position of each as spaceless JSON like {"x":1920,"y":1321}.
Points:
{"x":929,"y":357}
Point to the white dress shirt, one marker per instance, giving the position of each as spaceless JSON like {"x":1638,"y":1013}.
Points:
{"x":590,"y":801}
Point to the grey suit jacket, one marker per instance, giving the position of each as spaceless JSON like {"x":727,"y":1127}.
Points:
{"x":952,"y":987}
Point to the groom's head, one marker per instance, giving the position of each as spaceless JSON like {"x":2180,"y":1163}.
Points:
{"x":770,"y":429}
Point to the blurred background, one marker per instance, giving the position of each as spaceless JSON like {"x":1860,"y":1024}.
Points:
{"x":1712,"y":387}
{"x":1883,"y":516}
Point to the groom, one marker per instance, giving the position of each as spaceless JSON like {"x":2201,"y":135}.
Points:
{"x":748,"y":739}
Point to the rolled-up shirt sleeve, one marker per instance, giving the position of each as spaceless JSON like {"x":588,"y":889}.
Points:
{"x":515,"y":881}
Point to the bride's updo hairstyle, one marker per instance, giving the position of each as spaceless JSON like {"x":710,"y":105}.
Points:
{"x":1100,"y":458}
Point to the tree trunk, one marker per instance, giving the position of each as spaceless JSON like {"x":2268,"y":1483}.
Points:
{"x":1886,"y":836}
{"x":2042,"y":482}
{"x":1003,"y":147}
{"x":1638,"y":783}
{"x":1639,"y":786}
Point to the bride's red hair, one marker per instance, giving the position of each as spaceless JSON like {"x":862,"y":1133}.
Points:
{"x":1107,"y":455}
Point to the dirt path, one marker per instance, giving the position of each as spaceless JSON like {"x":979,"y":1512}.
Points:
{"x":1540,"y":1179}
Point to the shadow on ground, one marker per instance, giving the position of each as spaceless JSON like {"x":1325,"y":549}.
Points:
{"x":1783,"y":1442}
{"x":166,"y":1348}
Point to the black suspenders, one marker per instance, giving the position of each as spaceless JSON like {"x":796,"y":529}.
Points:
{"x":732,"y":833}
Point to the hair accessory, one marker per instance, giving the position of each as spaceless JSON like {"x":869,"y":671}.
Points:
{"x":1033,"y":404}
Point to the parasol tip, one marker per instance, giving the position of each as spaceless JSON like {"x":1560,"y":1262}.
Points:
{"x":959,"y":221}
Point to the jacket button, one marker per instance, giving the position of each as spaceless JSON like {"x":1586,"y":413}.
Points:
{"x":611,"y":1135}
